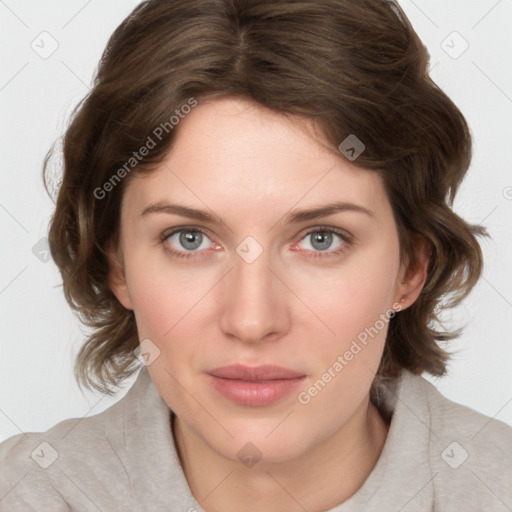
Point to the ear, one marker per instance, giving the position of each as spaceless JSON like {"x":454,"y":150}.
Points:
{"x":117,"y":277}
{"x":412,"y":277}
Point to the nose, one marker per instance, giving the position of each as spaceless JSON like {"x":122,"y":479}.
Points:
{"x":254,"y":303}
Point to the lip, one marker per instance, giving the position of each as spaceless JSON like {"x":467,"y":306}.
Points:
{"x":255,"y":386}
{"x":255,"y":373}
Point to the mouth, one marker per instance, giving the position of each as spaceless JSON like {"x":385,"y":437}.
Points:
{"x":255,"y":386}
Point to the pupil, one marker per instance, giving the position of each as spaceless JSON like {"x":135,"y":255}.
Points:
{"x":192,"y":238}
{"x":324,"y":240}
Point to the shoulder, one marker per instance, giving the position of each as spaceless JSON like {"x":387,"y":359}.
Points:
{"x":24,"y":485}
{"x":485,"y":436}
{"x":469,"y":452}
{"x":48,"y":470}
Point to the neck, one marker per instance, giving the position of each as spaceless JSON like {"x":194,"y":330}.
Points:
{"x":318,"y":479}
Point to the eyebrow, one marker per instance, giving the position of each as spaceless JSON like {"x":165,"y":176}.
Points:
{"x":293,"y":217}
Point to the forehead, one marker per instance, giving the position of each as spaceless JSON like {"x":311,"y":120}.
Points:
{"x":230,"y":154}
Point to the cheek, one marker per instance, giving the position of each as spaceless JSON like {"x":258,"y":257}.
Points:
{"x":157,"y":293}
{"x":356,"y":305}
{"x":152,"y":299}
{"x":353,"y":296}
{"x":171,"y":304}
{"x":162,"y":298}
{"x":163,"y":304}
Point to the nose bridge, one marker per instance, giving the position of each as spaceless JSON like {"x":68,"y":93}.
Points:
{"x":252,"y":307}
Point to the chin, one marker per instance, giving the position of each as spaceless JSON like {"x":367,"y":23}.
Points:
{"x":258,"y":443}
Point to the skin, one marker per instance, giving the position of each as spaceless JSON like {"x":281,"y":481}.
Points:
{"x":250,"y":167}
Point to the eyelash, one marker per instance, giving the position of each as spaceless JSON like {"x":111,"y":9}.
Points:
{"x":347,"y":239}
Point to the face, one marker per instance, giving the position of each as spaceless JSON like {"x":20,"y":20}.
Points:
{"x":257,"y":284}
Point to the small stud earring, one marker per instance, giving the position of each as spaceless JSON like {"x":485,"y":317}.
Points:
{"x":401,"y":302}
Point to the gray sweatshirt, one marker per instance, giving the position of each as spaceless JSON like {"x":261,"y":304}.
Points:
{"x":438,"y":456}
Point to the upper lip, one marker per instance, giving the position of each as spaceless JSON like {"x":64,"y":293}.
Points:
{"x":265,"y":372}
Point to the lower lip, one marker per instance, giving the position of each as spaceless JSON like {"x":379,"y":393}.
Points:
{"x":255,"y":394}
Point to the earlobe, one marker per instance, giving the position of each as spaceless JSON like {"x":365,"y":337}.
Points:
{"x":414,"y":277}
{"x":117,"y":278}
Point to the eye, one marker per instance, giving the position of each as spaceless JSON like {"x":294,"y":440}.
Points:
{"x":184,"y":242}
{"x":181,"y":241}
{"x":321,"y":240}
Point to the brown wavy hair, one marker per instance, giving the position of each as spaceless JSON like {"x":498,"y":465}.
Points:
{"x":352,"y":66}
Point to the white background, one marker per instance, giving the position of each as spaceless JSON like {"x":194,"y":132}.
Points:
{"x":40,"y":335}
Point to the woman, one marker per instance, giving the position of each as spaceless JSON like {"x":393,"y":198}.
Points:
{"x":256,"y":212}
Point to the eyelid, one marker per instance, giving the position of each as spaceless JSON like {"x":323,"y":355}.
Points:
{"x":338,"y":231}
{"x":172,"y":231}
